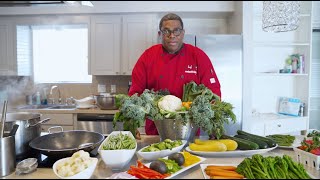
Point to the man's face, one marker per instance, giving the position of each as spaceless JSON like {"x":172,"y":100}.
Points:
{"x":172,"y":35}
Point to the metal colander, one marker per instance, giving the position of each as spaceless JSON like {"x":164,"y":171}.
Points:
{"x":174,"y":129}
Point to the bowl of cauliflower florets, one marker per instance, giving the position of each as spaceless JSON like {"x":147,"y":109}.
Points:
{"x":79,"y":166}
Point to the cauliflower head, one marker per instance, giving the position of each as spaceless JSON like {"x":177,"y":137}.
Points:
{"x":170,"y":103}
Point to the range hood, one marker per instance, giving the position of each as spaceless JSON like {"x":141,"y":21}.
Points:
{"x":43,"y":3}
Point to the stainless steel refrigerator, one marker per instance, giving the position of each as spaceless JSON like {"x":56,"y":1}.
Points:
{"x":225,"y":53}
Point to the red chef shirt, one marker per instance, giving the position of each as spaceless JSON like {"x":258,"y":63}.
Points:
{"x":157,"y":69}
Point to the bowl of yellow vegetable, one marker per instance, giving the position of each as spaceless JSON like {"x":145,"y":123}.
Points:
{"x":118,"y":149}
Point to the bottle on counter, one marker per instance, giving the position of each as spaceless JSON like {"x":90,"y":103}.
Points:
{"x":38,"y":98}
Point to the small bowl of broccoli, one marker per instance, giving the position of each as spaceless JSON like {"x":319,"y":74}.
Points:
{"x":161,"y":149}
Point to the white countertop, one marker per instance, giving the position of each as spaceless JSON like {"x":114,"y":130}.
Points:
{"x":94,"y":110}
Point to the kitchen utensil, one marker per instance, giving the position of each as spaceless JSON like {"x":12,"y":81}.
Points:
{"x":106,"y":102}
{"x":64,"y":144}
{"x":29,"y":128}
{"x":3,"y":118}
{"x":27,"y":166}
{"x":175,"y":129}
{"x":14,"y":130}
{"x":7,"y":155}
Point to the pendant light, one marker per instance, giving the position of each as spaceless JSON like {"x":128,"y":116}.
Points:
{"x":280,"y":16}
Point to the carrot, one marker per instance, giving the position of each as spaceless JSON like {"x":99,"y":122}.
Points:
{"x":222,"y":167}
{"x":224,"y":177}
{"x":225,"y":173}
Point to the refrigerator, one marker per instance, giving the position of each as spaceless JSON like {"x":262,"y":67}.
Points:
{"x":225,"y":53}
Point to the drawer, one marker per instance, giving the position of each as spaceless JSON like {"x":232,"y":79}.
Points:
{"x":283,"y":126}
{"x":58,"y":119}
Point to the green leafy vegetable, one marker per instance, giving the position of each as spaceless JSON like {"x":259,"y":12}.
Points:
{"x":259,"y":167}
{"x":282,"y":140}
{"x":166,"y":144}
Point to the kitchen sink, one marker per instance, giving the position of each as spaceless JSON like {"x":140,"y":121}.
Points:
{"x":63,"y":107}
{"x":49,"y":106}
{"x":36,"y":106}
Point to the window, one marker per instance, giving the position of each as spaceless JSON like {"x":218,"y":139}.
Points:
{"x":59,"y":53}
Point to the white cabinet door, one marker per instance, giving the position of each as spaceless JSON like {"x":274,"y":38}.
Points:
{"x":138,"y":35}
{"x":316,"y":14}
{"x":6,"y":49}
{"x":105,"y":45}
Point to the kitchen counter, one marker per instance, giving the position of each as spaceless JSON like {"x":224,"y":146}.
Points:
{"x":102,"y":171}
{"x":95,"y":110}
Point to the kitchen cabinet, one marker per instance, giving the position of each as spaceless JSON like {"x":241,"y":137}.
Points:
{"x":105,"y":41}
{"x":117,"y":41}
{"x":6,"y":48}
{"x":66,"y":121}
{"x":265,"y":54}
{"x":316,"y":14}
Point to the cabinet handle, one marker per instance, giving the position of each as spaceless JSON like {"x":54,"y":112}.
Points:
{"x":117,"y":72}
{"x":279,"y":125}
{"x":124,"y":73}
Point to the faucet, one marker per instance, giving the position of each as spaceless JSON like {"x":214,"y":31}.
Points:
{"x":59,"y":100}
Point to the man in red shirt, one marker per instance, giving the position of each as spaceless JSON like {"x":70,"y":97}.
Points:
{"x":172,"y":64}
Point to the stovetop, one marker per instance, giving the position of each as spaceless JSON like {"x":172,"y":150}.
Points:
{"x":47,"y":161}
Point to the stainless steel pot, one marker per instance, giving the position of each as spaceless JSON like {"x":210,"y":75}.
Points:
{"x":29,"y":129}
{"x":64,"y":144}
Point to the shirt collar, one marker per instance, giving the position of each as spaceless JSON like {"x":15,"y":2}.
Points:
{"x":180,"y":51}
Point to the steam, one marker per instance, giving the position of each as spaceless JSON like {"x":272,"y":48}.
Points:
{"x":14,"y":89}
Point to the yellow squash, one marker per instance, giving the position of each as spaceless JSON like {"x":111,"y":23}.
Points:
{"x":214,"y":146}
{"x":231,"y":144}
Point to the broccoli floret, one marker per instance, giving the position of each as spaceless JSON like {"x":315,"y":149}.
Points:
{"x":150,"y":148}
{"x":168,"y":146}
{"x":161,"y":145}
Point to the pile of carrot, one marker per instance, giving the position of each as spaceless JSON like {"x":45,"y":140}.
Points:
{"x":222,"y":172}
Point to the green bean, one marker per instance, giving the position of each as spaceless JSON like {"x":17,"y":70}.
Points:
{"x":120,"y":141}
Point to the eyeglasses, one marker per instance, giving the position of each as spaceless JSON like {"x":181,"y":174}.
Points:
{"x":168,"y":32}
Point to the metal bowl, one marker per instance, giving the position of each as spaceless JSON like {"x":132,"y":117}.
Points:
{"x":106,"y":102}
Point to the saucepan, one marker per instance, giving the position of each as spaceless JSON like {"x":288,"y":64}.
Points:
{"x":59,"y":145}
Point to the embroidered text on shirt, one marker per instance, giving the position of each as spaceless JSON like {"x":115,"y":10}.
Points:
{"x":190,"y":72}
{"x":189,"y":66}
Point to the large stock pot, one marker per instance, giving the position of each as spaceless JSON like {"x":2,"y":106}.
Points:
{"x":29,"y":129}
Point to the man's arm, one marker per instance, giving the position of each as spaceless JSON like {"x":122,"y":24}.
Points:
{"x":208,"y":76}
{"x":139,"y":76}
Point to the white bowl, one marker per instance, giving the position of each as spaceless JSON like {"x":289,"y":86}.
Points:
{"x":88,"y":101}
{"x":117,"y":159}
{"x":150,"y":156}
{"x":85,"y":174}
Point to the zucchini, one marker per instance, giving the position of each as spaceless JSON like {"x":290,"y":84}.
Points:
{"x":262,"y":144}
{"x":270,"y":142}
{"x":242,"y":143}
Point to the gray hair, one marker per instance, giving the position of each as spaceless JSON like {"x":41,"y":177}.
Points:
{"x":170,"y":16}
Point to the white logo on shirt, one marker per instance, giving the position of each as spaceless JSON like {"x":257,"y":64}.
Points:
{"x":190,"y":72}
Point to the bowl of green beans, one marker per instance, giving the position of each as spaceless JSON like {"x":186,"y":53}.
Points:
{"x":118,"y":149}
